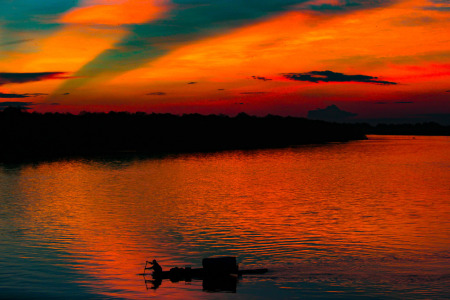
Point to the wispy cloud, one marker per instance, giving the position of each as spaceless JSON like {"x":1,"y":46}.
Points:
{"x":253,"y":93}
{"x":330,"y":76}
{"x":18,"y":104}
{"x":156,"y":94}
{"x":438,"y":5}
{"x":114,"y":12}
{"x":23,"y":105}
{"x":342,"y":6}
{"x":413,"y":20}
{"x":26,"y":95}
{"x":15,"y":42}
{"x":8,"y":78}
{"x":261,"y":78}
{"x":396,"y":102}
{"x":12,"y":96}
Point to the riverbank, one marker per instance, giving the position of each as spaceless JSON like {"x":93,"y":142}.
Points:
{"x":52,"y":135}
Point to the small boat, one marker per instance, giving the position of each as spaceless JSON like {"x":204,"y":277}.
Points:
{"x":212,"y":267}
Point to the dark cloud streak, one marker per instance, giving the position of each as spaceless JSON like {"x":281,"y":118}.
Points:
{"x":330,"y":76}
{"x":26,"y":95}
{"x":261,"y":78}
{"x":15,"y":42}
{"x":13,"y":96}
{"x":8,"y":78}
{"x":344,"y":6}
{"x":253,"y":93}
{"x":17,"y":104}
{"x":23,"y":105}
{"x":156,"y":94}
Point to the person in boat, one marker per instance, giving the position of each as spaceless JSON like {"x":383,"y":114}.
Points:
{"x":157,"y":270}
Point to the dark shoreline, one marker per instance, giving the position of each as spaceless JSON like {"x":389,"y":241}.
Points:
{"x":34,"y":136}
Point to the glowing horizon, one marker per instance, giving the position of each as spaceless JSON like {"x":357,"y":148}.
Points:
{"x":378,"y":59}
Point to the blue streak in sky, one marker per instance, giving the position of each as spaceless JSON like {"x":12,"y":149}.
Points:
{"x":28,"y":17}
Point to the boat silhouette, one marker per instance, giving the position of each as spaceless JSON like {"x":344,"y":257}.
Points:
{"x":219,"y":274}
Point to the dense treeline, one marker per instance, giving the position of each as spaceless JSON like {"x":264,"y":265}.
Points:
{"x":427,"y":128}
{"x":34,"y":135}
{"x":29,"y":135}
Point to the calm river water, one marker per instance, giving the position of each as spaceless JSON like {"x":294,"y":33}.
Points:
{"x":359,"y":220}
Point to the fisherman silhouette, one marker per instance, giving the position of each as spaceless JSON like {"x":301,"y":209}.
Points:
{"x":157,"y":270}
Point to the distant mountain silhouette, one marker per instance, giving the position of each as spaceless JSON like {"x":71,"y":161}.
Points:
{"x":331,"y":113}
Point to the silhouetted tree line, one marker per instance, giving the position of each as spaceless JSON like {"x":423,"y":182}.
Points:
{"x":426,"y":128}
{"x":30,"y":135}
{"x":35,"y":135}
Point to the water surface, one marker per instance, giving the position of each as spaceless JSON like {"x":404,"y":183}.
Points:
{"x":364,"y":219}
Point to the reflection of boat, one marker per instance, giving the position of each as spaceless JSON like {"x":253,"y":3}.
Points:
{"x":218,"y":274}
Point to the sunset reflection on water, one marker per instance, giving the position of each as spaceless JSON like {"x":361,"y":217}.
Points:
{"x":342,"y":220}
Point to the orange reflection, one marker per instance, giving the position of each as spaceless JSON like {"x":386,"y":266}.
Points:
{"x":271,"y":206}
{"x":70,"y":209}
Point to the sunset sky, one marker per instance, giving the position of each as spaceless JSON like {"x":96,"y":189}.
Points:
{"x":375,"y":58}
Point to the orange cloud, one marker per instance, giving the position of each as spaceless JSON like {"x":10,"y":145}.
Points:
{"x":364,"y":42}
{"x":115,"y":12}
{"x":66,"y":50}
